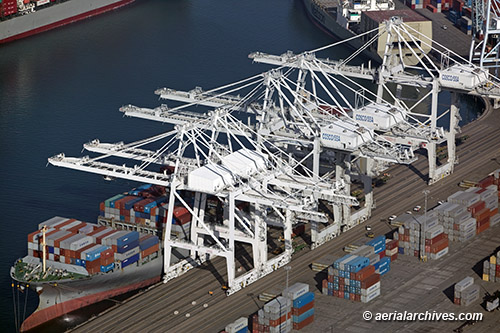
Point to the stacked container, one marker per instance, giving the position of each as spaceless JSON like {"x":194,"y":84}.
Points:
{"x":391,"y":248}
{"x":491,"y":268}
{"x":352,"y":277}
{"x":435,"y":239}
{"x":466,"y":292}
{"x":96,"y":248}
{"x":302,"y":305}
{"x":8,"y":7}
{"x":276,"y":316}
{"x":147,"y":205}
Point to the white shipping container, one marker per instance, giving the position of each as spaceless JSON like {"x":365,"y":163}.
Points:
{"x":434,"y":231}
{"x":368,"y":291}
{"x":494,"y":219}
{"x":442,"y":253}
{"x":52,"y":222}
{"x":111,"y":239}
{"x":57,"y":251}
{"x":371,"y":296}
{"x":71,"y":225}
{"x":80,"y":243}
{"x":66,"y":243}
{"x":295,"y":291}
{"x":277,"y":305}
{"x":464,"y":283}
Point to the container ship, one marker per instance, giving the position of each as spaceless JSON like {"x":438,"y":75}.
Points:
{"x":23,"y":18}
{"x":72,"y":264}
{"x":346,"y":19}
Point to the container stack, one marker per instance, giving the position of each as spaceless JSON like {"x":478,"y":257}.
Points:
{"x":302,"y":304}
{"x":491,"y":268}
{"x":352,"y":277}
{"x":96,"y":248}
{"x":466,"y":25}
{"x":238,"y":326}
{"x":276,"y":316}
{"x":391,"y":248}
{"x":147,"y":205}
{"x":415,"y":4}
{"x":294,"y":309}
{"x":435,"y":239}
{"x":466,"y":292}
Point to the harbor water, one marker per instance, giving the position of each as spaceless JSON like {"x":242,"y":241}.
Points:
{"x":63,"y":88}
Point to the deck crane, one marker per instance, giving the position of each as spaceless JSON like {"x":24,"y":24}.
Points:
{"x":233,"y":167}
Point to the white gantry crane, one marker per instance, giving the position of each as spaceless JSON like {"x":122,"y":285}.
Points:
{"x":287,"y":141}
{"x":486,"y":27}
{"x":218,"y":156}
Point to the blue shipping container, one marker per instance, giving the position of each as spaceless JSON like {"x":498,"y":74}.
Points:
{"x":107,"y":268}
{"x":302,"y":317}
{"x":243,"y":330}
{"x":148,"y":242}
{"x":303,"y":300}
{"x":78,"y":262}
{"x":401,"y":250}
{"x":346,"y":295}
{"x":51,"y":249}
{"x":384,"y":270}
{"x":127,"y":247}
{"x":127,"y":238}
{"x":130,"y":260}
{"x":377,"y":241}
{"x":95,"y":254}
{"x":336,"y":263}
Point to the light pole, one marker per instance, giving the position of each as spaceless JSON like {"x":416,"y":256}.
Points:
{"x":423,"y":257}
{"x":287,"y":269}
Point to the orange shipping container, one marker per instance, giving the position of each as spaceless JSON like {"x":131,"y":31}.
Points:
{"x":303,"y":323}
{"x":150,"y":251}
{"x":365,"y":273}
{"x":483,"y":228}
{"x":305,"y":308}
{"x":493,"y":212}
{"x":441,"y":245}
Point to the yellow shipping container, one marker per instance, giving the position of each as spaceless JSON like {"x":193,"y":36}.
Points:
{"x":486,"y":277}
{"x":493,"y":260}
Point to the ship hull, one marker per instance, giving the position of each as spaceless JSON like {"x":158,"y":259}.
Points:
{"x":328,"y":24}
{"x":54,"y":17}
{"x":57,"y":299}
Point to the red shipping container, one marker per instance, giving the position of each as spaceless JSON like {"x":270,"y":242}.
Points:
{"x":108,"y":253}
{"x":456,"y":301}
{"x":493,"y":212}
{"x":107,"y":261}
{"x":481,"y":214}
{"x":341,"y":294}
{"x":498,"y":268}
{"x":32,"y":235}
{"x":352,"y":275}
{"x":365,"y":272}
{"x":182,"y":215}
{"x":78,"y":253}
{"x":305,"y":308}
{"x":478,"y":206}
{"x":441,"y":245}
{"x":97,"y":230}
{"x":102,"y":206}
{"x":357,"y":298}
{"x":139,"y":207}
{"x":482,"y":222}
{"x":150,"y":250}
{"x":436,"y":239}
{"x":341,"y":287}
{"x":351,"y":296}
{"x":487,"y":181}
{"x":329,"y":278}
{"x":303,"y":323}
{"x":77,"y":226}
{"x":392,"y":244}
{"x":370,"y":281}
{"x":280,"y":320}
{"x":483,"y":228}
{"x":341,"y":280}
{"x":298,"y":230}
{"x":431,"y":8}
{"x":381,"y":254}
{"x":497,"y":274}
{"x":65,"y":223}
{"x":324,"y":284}
{"x":67,"y":260}
{"x":394,"y":257}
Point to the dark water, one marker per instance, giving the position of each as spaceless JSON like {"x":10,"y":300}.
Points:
{"x":63,"y":88}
